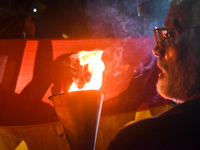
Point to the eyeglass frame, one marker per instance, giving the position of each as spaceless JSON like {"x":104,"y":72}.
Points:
{"x":168,"y":28}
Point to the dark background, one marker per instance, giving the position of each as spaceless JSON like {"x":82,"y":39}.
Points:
{"x":80,"y":18}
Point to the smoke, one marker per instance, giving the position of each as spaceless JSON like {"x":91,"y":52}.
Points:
{"x":114,"y":58}
{"x":124,"y":18}
{"x":143,"y":68}
{"x":113,"y":19}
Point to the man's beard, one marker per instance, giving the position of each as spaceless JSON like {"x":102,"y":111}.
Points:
{"x":180,"y":81}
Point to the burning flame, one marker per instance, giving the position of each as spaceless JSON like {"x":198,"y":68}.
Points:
{"x":91,"y":75}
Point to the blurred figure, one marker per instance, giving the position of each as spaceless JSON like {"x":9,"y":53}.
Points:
{"x":178,"y":57}
{"x":62,"y":76}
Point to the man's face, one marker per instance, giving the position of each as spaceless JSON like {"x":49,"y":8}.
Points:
{"x":178,"y":56}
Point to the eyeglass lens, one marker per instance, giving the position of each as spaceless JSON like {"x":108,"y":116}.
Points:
{"x":163,"y":35}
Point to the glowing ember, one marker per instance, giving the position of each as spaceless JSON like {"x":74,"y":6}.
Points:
{"x":90,"y":77}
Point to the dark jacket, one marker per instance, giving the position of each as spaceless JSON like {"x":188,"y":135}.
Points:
{"x":176,"y":129}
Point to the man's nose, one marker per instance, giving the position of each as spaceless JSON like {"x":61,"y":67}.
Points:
{"x":159,"y":51}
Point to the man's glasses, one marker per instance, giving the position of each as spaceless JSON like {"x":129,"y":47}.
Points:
{"x":163,"y":36}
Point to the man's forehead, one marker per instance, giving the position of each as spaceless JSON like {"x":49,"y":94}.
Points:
{"x":185,"y":13}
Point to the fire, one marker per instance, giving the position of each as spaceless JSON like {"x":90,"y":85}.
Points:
{"x":91,"y":75}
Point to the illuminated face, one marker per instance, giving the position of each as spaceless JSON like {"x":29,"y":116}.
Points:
{"x":177,"y":49}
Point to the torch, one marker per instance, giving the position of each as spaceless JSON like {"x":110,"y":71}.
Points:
{"x":79,"y":109}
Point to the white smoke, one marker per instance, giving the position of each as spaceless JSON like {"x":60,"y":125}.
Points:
{"x":124,"y":18}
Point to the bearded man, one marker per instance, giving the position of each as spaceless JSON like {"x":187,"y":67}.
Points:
{"x":178,"y":51}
